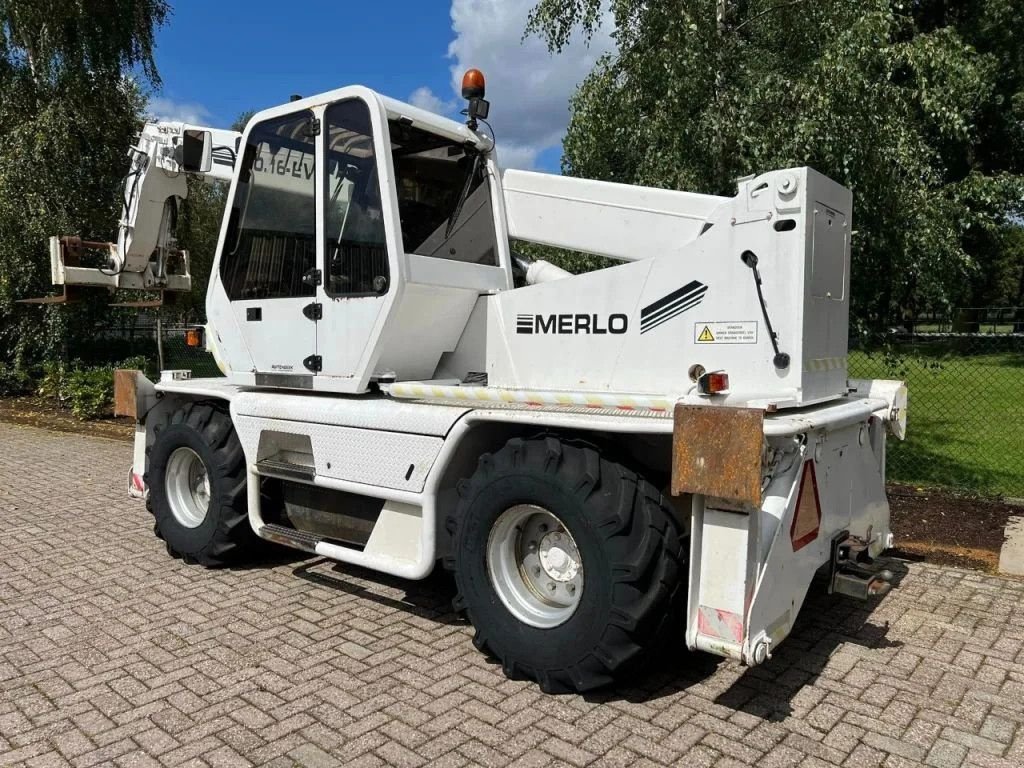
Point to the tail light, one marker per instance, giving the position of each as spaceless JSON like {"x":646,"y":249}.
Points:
{"x":713,"y":383}
{"x":194,"y":337}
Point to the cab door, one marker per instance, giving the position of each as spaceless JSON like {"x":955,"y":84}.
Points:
{"x":269,"y":259}
{"x":357,"y":274}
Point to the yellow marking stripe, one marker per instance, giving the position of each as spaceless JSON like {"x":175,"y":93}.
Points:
{"x":826,"y":364}
{"x":564,"y":399}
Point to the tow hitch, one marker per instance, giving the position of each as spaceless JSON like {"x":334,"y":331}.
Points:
{"x":853,"y":572}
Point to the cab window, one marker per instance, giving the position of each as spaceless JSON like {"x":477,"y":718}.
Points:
{"x":444,"y":200}
{"x":271,"y":240}
{"x":357,"y":257}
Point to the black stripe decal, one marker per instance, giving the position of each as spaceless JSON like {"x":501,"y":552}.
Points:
{"x":699,"y":294}
{"x":690,"y":287}
{"x":675,"y":313}
{"x":666,"y":310}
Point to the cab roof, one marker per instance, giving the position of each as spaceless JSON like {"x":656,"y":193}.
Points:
{"x":391,"y":108}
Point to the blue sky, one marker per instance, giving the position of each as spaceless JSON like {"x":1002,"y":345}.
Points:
{"x":218,"y":59}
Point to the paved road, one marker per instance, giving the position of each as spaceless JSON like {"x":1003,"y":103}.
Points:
{"x":112,"y":653}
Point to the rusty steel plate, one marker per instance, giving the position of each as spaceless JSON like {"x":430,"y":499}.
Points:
{"x":124,"y":392}
{"x":716,"y":451}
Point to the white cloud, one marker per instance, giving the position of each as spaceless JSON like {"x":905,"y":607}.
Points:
{"x":160,"y":108}
{"x":529,"y":89}
{"x":522,"y":156}
{"x":425,"y":98}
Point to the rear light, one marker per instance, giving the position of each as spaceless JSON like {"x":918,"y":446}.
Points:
{"x":713,"y":383}
{"x":194,"y":337}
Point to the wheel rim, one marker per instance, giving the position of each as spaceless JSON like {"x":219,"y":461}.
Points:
{"x":188,"y":487}
{"x":535,"y":566}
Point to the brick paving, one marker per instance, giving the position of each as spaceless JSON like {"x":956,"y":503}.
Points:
{"x":111,"y":653}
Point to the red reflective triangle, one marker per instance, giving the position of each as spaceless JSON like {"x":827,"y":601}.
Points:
{"x":807,"y":516}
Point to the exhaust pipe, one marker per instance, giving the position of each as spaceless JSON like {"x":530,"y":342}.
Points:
{"x":536,"y":272}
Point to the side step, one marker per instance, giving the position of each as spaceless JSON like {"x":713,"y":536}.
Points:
{"x":285,"y":470}
{"x":290,"y":537}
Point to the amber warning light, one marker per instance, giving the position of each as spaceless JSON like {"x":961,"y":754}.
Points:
{"x":473,"y":84}
{"x":474,"y":87}
{"x":194,"y":337}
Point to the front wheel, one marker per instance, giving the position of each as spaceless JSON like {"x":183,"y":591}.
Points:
{"x":570,"y":567}
{"x":197,"y":481}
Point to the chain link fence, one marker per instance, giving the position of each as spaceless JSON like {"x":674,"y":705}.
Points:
{"x":965,"y":372}
{"x":174,"y":353}
{"x":162,"y":342}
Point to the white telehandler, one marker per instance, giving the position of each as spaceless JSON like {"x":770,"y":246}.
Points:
{"x":670,"y":444}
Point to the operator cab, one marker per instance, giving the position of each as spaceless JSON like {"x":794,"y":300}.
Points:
{"x":360,"y":234}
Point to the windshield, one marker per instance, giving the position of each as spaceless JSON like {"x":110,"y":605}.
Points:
{"x":271,"y":243}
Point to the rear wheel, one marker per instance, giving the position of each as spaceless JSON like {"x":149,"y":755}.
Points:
{"x":569,"y":566}
{"x":196,"y":481}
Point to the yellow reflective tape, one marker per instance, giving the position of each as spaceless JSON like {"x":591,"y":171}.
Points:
{"x":826,"y":364}
{"x":560,"y":399}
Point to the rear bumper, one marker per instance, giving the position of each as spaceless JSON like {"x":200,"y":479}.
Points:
{"x":770,"y":494}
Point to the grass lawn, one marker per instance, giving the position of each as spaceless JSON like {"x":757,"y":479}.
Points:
{"x":965,"y":421}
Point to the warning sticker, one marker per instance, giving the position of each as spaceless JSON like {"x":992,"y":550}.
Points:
{"x":732,"y":332}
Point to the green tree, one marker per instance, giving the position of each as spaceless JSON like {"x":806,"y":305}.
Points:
{"x":71,"y":80}
{"x":198,"y":232}
{"x":918,"y":107}
{"x":242,"y":120}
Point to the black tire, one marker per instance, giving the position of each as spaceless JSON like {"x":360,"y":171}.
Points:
{"x":631,"y":549}
{"x":225,"y":534}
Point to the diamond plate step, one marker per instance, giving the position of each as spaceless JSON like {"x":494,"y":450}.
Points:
{"x":285,"y":470}
{"x":290,"y":537}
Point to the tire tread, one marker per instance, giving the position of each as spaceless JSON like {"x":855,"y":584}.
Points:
{"x":233,"y":536}
{"x":639,"y":532}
